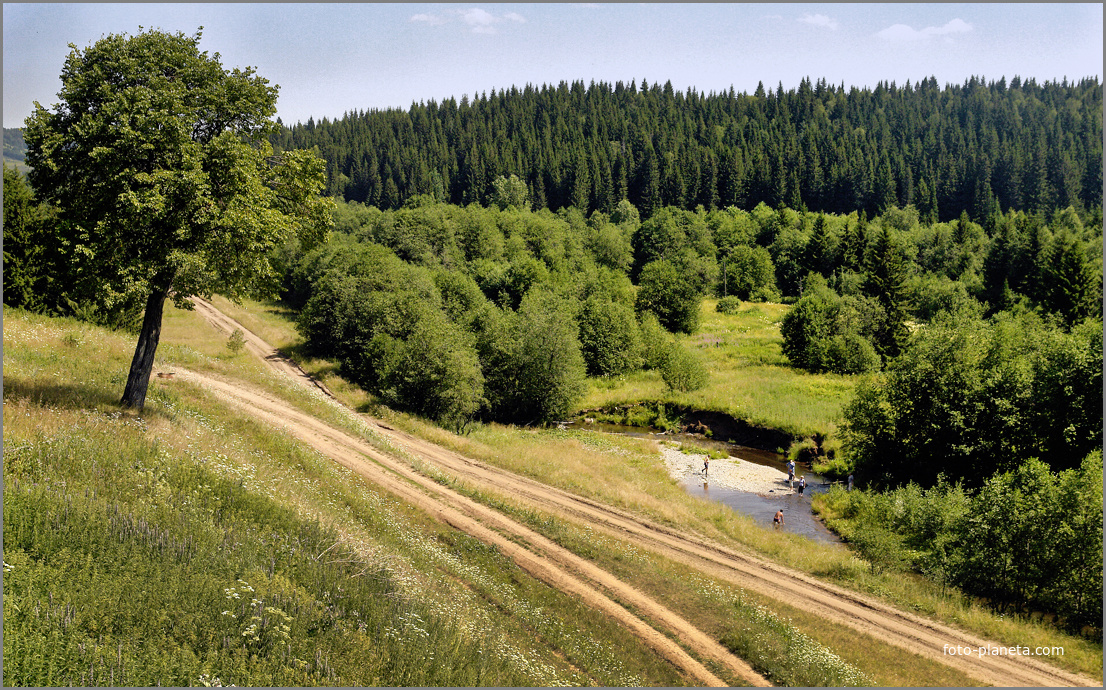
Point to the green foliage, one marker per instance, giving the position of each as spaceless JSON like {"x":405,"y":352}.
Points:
{"x":386,"y":323}
{"x":822,"y":146}
{"x":236,"y":341}
{"x":886,"y":283}
{"x":1028,"y":539}
{"x":683,"y":369}
{"x":547,"y":367}
{"x":968,"y":399}
{"x":934,"y":295}
{"x":825,"y":332}
{"x":655,"y":341}
{"x":508,"y":192}
{"x":27,"y":251}
{"x":610,"y":339}
{"x":165,"y":183}
{"x":728,"y":305}
{"x":433,"y":370}
{"x":750,"y":274}
{"x":1071,"y":286}
{"x":669,"y":295}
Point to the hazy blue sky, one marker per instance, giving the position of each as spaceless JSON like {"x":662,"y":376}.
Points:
{"x":330,"y":58}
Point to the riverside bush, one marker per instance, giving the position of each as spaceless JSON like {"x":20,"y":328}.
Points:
{"x":1028,"y":539}
{"x":683,"y":370}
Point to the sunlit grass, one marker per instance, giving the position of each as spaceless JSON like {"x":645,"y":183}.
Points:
{"x":81,"y":475}
{"x":750,"y":379}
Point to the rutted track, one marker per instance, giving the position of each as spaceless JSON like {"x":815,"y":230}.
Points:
{"x":866,"y":615}
{"x":533,"y":552}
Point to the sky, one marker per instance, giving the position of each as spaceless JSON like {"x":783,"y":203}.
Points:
{"x":329,"y":59}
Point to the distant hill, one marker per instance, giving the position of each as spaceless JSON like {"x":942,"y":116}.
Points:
{"x":15,"y":149}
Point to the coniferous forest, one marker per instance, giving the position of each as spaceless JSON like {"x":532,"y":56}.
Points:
{"x":981,"y":147}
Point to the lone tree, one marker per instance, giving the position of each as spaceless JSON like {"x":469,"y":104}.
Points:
{"x":166,"y":185}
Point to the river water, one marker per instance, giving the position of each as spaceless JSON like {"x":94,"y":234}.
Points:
{"x":798,"y":517}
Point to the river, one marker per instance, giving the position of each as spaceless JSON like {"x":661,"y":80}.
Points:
{"x":798,"y":516}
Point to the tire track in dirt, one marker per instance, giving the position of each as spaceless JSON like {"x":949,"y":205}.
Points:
{"x":862,"y":613}
{"x":537,"y":555}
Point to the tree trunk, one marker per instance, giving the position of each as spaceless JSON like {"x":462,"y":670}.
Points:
{"x":134,"y":395}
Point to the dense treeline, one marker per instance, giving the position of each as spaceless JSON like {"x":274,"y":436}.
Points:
{"x":979,"y":147}
{"x":462,"y":313}
{"x":970,"y":397}
{"x":863,"y":281}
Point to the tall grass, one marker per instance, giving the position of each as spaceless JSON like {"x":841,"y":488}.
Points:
{"x":191,"y":546}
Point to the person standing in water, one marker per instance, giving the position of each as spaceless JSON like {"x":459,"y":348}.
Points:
{"x":802,"y":485}
{"x":778,"y":519}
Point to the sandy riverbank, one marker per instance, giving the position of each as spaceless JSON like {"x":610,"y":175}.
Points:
{"x":731,"y":473}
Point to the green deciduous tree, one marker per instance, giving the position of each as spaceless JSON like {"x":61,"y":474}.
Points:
{"x":609,"y":337}
{"x":548,"y":369}
{"x":158,"y":161}
{"x":668,"y":294}
{"x":968,"y":399}
{"x":683,"y":369}
{"x":510,"y":192}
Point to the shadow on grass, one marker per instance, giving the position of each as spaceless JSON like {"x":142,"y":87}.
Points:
{"x":69,"y":396}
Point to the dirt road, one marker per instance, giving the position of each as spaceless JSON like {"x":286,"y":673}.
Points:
{"x":567,"y":572}
{"x":534,"y":553}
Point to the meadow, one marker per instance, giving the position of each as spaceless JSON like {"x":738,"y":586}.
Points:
{"x":749,"y":377}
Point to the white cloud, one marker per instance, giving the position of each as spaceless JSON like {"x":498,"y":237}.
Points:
{"x":478,"y":20}
{"x":432,"y":19}
{"x":819,"y":20}
{"x":903,"y":33}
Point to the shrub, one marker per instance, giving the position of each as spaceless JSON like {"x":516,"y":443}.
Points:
{"x":683,"y":370}
{"x":728,"y":305}
{"x":849,"y":353}
{"x":655,"y":341}
{"x":236,"y":342}
{"x":610,"y":340}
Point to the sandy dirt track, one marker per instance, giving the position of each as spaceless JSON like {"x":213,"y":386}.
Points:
{"x":567,"y":572}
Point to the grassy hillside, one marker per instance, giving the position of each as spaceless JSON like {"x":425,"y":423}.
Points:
{"x":191,"y":545}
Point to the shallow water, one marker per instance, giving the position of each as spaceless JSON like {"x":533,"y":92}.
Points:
{"x":797,"y":515}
